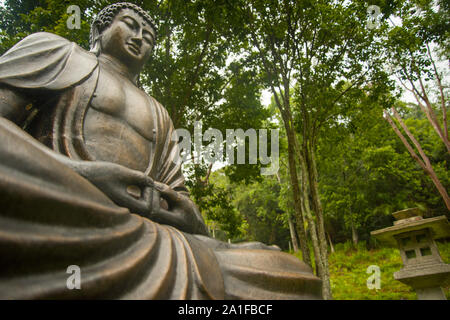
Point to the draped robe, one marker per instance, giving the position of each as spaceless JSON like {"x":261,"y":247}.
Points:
{"x":51,"y":217}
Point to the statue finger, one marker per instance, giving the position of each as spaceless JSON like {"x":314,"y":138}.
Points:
{"x":168,"y":193}
{"x":147,"y":195}
{"x":144,"y":181}
{"x":126,"y":200}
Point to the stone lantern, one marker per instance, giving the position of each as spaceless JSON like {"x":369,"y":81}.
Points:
{"x":423,"y":268}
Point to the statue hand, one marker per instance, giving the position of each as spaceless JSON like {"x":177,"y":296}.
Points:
{"x":182,"y":212}
{"x":126,"y":187}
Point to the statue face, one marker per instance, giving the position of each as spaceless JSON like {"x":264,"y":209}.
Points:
{"x":129,"y":38}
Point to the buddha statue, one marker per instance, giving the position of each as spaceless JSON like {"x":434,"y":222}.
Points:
{"x":88,"y":177}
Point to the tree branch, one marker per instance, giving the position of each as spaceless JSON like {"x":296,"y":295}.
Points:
{"x":411,"y":137}
{"x":405,"y":142}
{"x":441,"y":91}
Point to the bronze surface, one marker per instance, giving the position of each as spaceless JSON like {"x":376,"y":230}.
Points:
{"x":87,"y":178}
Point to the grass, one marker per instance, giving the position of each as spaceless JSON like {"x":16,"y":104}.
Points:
{"x":348,"y":273}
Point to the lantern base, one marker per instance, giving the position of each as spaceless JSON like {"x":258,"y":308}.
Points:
{"x":435,"y":293}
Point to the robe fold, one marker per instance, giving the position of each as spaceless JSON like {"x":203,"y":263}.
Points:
{"x":52,"y":218}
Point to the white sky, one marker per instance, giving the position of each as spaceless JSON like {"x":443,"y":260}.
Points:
{"x":266,"y":95}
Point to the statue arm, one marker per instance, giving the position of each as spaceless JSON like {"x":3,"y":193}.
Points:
{"x":112,"y":179}
{"x":39,"y":64}
{"x":45,"y":61}
{"x":182,"y":213}
{"x":14,"y":105}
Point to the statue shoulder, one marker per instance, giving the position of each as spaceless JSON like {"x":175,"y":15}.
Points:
{"x":38,"y":37}
{"x":46,"y":61}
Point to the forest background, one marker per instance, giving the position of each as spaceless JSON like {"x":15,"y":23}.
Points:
{"x":358,"y":91}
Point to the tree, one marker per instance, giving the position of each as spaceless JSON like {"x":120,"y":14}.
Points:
{"x":425,"y":25}
{"x":259,"y":204}
{"x":365,"y":167}
{"x":21,"y":18}
{"x":311,"y":45}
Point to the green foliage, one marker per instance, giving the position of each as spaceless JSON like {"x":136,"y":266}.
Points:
{"x":215,"y":202}
{"x":259,"y":204}
{"x":348,"y":271}
{"x":246,"y":212}
{"x":21,"y":18}
{"x":366,"y":173}
{"x":423,"y":23}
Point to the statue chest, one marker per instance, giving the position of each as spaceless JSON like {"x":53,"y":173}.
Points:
{"x":122,"y":101}
{"x":119,"y":123}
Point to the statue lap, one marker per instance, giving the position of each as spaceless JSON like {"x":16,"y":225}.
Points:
{"x":53,"y":218}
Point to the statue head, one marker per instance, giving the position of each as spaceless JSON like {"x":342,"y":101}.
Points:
{"x":125,"y":31}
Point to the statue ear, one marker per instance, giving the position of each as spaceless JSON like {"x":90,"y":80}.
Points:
{"x":96,"y":45}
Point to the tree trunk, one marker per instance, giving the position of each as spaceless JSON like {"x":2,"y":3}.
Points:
{"x":272,"y":235}
{"x":354,"y":234}
{"x":331,"y":243}
{"x":296,"y":190}
{"x":310,"y":219}
{"x":292,"y":227}
{"x":294,"y":239}
{"x":309,"y":175}
{"x":315,"y":242}
{"x":284,"y":107}
{"x":313,"y":184}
